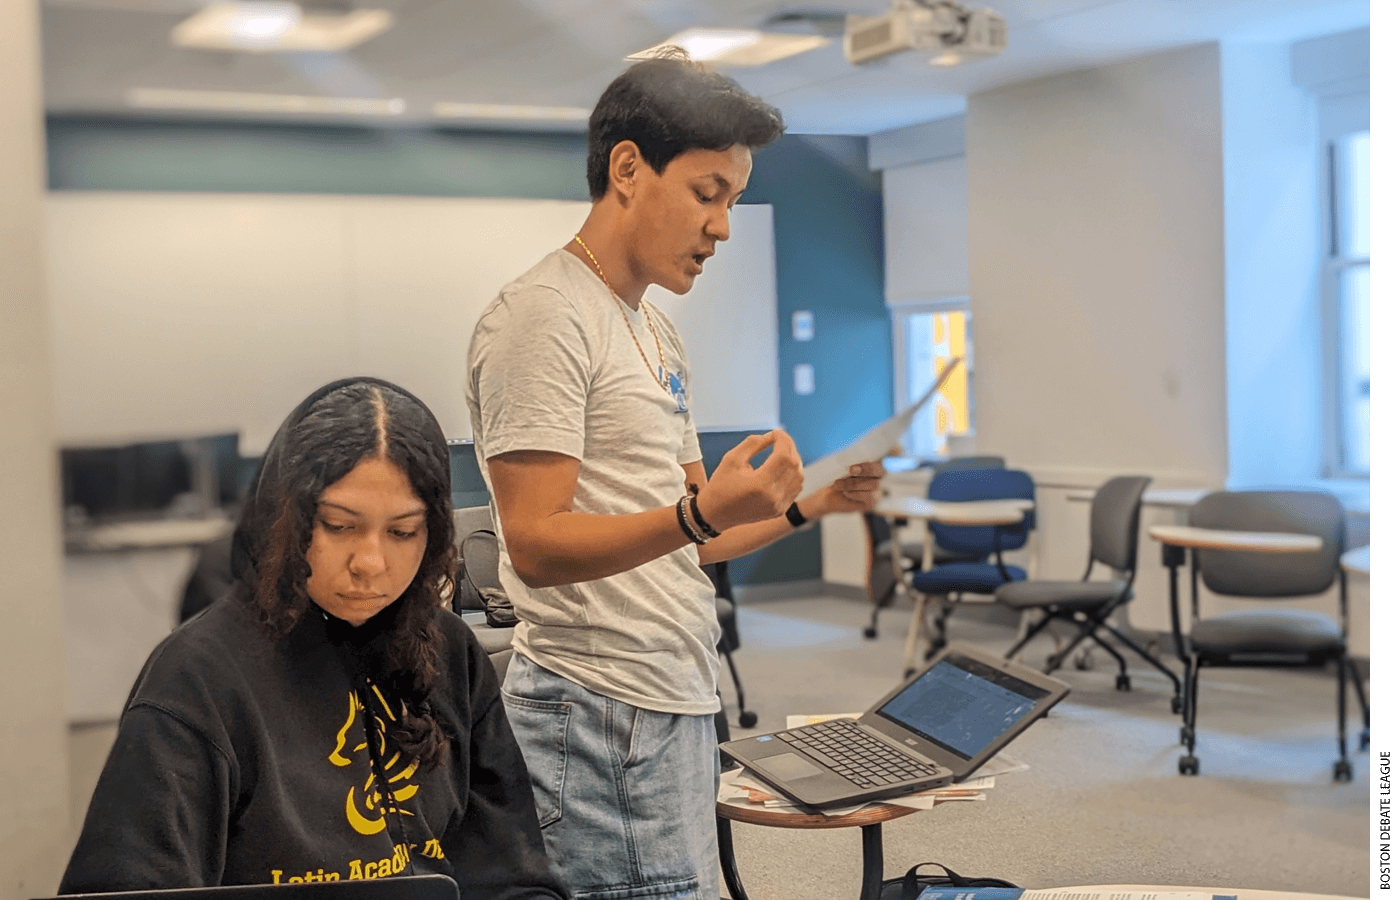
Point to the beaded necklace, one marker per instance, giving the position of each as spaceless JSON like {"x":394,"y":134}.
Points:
{"x":660,"y":354}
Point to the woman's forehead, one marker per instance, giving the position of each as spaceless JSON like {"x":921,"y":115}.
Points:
{"x":374,"y":483}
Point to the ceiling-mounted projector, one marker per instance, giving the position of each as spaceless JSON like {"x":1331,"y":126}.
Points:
{"x":953,"y":33}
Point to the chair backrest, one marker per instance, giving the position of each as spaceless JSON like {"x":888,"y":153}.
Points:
{"x":480,"y":555}
{"x":1244,"y":574}
{"x":479,"y":552}
{"x":956,"y":485}
{"x":970,"y":462}
{"x":1113,"y":522}
{"x":881,"y":556}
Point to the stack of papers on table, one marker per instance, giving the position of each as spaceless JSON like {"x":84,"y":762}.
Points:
{"x":1089,"y":893}
{"x":740,"y":787}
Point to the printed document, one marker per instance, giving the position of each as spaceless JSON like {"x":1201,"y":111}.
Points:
{"x":877,"y":443}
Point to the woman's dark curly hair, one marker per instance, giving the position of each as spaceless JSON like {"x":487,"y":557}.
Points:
{"x":325,"y":437}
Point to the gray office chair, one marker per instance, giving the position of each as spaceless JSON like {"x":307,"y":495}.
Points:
{"x":479,"y":556}
{"x":728,"y":617}
{"x":1268,"y":637}
{"x":1113,"y":542}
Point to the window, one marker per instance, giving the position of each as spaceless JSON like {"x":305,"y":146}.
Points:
{"x":926,"y":338}
{"x":1347,"y":298}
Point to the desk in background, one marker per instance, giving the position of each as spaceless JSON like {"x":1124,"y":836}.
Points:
{"x":1150,"y":613}
{"x":121,"y":592}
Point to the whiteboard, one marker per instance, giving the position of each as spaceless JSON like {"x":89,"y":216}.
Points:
{"x":185,"y":314}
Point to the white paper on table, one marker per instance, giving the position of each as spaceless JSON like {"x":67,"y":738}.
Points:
{"x":877,"y":443}
{"x":1001,"y":764}
{"x":980,"y":783}
{"x":929,"y":801}
{"x":734,"y":787}
{"x":1112,"y":894}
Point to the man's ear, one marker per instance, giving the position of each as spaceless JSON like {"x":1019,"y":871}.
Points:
{"x":623,"y":164}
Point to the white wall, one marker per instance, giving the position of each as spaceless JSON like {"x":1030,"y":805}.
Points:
{"x":1096,"y":242}
{"x":34,"y":831}
{"x":926,"y":253}
{"x":1132,"y":231}
{"x":186,"y":314}
{"x":1273,"y":237}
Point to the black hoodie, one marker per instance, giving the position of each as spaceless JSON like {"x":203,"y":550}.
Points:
{"x":241,"y":759}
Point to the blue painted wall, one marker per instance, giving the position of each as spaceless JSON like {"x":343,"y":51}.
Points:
{"x":828,"y":216}
{"x":107,"y":154}
{"x":827,"y":222}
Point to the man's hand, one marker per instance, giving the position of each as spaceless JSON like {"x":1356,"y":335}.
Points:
{"x":738,"y":493}
{"x":857,"y":492}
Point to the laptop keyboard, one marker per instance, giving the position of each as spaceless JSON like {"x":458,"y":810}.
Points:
{"x":842,"y":746}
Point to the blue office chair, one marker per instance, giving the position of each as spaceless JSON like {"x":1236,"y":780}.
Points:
{"x":888,"y":560}
{"x":940,"y":589}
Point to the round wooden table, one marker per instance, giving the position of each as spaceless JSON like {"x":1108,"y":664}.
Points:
{"x":1358,"y":560}
{"x":946,"y":512}
{"x":1217,"y":539}
{"x":868,"y":820}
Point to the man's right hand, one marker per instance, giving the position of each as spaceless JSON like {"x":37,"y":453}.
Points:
{"x":737,"y":493}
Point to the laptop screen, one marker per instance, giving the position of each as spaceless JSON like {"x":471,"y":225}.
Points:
{"x":962,"y":705}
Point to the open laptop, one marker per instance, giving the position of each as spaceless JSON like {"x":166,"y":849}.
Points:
{"x":935,"y":729}
{"x":403,"y":887}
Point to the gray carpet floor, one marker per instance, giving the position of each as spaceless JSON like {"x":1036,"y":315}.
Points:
{"x":1102,"y":802}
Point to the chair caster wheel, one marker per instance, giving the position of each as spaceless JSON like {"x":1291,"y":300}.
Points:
{"x":1188,"y":765}
{"x":1176,"y":706}
{"x":1123,"y":683}
{"x":1341,"y":770}
{"x":1085,"y":661}
{"x":1365,"y":739}
{"x":1185,"y":736}
{"x":870,"y":633}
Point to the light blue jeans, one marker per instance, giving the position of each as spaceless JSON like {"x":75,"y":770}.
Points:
{"x":625,"y":796}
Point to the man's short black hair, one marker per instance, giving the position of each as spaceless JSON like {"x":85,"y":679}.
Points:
{"x":668,"y":105}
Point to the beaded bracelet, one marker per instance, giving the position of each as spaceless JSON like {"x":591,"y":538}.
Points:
{"x":684,"y":519}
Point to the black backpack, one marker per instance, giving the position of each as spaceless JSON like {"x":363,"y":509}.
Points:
{"x":913,"y":885}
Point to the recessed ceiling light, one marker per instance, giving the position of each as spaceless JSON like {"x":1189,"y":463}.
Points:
{"x":231,"y":101}
{"x":446,"y":110}
{"x":259,"y":26}
{"x":739,"y":47}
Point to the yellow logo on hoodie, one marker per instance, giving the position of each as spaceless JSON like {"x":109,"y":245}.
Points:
{"x":366,"y":805}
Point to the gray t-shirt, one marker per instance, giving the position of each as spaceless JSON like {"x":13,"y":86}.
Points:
{"x":552,"y":366}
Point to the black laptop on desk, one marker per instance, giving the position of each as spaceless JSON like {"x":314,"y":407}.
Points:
{"x":935,"y":729}
{"x":404,"y":887}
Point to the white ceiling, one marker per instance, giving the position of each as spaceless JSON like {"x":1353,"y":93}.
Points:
{"x":563,"y":52}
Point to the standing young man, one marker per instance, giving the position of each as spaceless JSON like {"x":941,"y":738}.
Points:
{"x":577,"y":393}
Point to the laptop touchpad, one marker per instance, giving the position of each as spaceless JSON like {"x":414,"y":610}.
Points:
{"x":790,"y":767}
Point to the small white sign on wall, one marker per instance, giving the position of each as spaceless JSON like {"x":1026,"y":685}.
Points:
{"x":804,"y":326}
{"x":804,"y":379}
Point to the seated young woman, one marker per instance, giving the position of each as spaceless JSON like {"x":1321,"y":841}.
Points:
{"x":329,"y":720}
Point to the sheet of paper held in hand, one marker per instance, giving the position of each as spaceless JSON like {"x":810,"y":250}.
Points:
{"x":877,"y":443}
